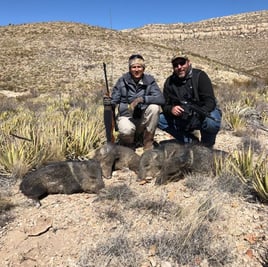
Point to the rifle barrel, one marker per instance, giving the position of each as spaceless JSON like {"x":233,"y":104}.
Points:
{"x":106,"y":80}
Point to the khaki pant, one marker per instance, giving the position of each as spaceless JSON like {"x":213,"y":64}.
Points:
{"x":129,"y":127}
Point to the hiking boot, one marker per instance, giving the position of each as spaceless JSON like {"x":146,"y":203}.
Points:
{"x":127,"y":141}
{"x":148,"y":140}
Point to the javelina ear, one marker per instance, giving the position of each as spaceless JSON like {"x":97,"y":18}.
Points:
{"x":106,"y":149}
{"x":103,"y":150}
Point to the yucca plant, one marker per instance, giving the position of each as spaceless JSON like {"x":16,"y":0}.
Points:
{"x":48,"y":136}
{"x":18,"y":157}
{"x":241,"y":163}
{"x":260,"y":180}
{"x":251,"y":171}
{"x":235,"y":121}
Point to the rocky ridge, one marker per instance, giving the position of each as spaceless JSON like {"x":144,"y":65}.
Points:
{"x":62,"y":57}
{"x":239,"y":41}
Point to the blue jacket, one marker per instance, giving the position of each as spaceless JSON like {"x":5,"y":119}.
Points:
{"x":126,"y":90}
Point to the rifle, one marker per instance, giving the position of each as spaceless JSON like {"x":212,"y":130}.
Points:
{"x":109,"y":116}
{"x":189,"y":107}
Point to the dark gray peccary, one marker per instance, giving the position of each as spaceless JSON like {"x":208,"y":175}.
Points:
{"x":66,"y":177}
{"x":116,"y":157}
{"x":166,"y":163}
{"x":170,"y":161}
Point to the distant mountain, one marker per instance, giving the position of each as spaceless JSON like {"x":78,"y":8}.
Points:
{"x":67,"y":56}
{"x":240,"y":41}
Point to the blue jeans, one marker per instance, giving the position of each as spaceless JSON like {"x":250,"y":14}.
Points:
{"x":176,"y":127}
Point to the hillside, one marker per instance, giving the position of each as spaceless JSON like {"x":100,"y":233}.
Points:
{"x":199,"y":221}
{"x":66,"y":56}
{"x":239,"y":41}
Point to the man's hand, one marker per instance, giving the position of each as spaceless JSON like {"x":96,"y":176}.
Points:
{"x":177,"y":111}
{"x":107,"y":100}
{"x":135,"y":102}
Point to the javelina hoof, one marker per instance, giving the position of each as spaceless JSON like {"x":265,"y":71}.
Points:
{"x":63,"y":178}
{"x":116,"y":157}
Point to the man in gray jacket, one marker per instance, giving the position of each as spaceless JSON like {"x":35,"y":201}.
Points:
{"x":138,"y":99}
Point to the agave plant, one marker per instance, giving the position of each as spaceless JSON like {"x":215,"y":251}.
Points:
{"x":260,"y":180}
{"x":253,"y":172}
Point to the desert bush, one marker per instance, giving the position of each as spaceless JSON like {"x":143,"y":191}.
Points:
{"x":233,"y":117}
{"x":120,"y":193}
{"x":190,"y":239}
{"x":247,"y":85}
{"x":116,"y":251}
{"x":161,"y":208}
{"x":260,"y":180}
{"x":31,"y":138}
{"x":251,"y":170}
{"x":5,"y":215}
{"x":251,"y":143}
{"x":229,"y":183}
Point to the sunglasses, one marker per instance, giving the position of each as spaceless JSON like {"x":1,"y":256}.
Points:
{"x":178,"y":62}
{"x":136,"y":56}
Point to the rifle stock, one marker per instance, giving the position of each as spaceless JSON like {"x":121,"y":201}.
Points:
{"x":109,"y":117}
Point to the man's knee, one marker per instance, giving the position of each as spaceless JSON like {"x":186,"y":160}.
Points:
{"x":212,"y":126}
{"x":125,"y":127}
{"x":153,"y":109}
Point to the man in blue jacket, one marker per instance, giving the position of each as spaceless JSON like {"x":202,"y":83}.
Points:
{"x":190,"y":104}
{"x":138,"y":99}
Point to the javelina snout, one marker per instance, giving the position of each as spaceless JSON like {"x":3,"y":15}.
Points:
{"x":151,"y":163}
{"x":116,"y":157}
{"x":63,"y":178}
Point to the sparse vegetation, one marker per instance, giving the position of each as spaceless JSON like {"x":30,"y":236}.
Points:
{"x":251,"y":170}
{"x":30,"y":138}
{"x":53,"y":111}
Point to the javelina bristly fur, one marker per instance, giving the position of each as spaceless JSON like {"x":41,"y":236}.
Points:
{"x":66,"y":177}
{"x":170,"y":161}
{"x":116,"y":157}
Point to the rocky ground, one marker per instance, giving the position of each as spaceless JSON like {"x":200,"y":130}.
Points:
{"x":123,"y":225}
{"x":198,"y":221}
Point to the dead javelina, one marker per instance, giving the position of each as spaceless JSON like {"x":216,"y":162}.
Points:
{"x":204,"y":159}
{"x":66,"y":177}
{"x":116,"y":157}
{"x":166,"y":163}
{"x":170,"y":161}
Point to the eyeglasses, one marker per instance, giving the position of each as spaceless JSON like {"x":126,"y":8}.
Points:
{"x":136,"y":56}
{"x":178,"y":62}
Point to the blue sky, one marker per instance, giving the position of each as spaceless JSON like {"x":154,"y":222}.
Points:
{"x":122,"y":14}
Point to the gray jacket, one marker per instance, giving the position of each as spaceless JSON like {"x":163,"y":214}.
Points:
{"x":126,"y":90}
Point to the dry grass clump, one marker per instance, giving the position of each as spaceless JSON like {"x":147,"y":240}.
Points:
{"x":5,"y":215}
{"x":177,"y":235}
{"x":120,"y":193}
{"x":244,"y":106}
{"x":224,"y":182}
{"x":171,"y":233}
{"x":118,"y":250}
{"x":251,"y":170}
{"x":60,"y":130}
{"x":242,"y":173}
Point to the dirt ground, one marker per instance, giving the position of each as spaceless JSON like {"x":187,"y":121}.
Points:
{"x":65,"y":227}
